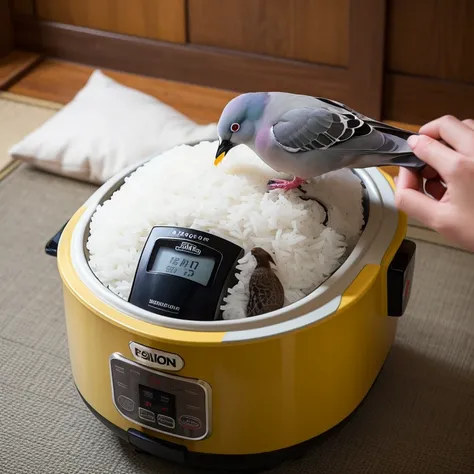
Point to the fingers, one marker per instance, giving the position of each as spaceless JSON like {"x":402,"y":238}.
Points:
{"x":435,"y":188}
{"x":434,"y":153}
{"x":417,"y":205}
{"x":469,"y":123}
{"x":459,"y":135}
{"x":429,"y":173}
{"x":408,"y":179}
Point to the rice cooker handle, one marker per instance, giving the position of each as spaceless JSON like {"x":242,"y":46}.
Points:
{"x":400,"y":278}
{"x":51,"y":247}
{"x":156,"y":447}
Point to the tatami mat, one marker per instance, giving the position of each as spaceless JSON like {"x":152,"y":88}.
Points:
{"x":418,"y":418}
{"x":18,"y":117}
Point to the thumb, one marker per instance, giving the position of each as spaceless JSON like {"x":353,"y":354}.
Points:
{"x":417,"y":205}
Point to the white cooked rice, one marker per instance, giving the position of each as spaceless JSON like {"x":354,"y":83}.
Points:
{"x":182,"y":187}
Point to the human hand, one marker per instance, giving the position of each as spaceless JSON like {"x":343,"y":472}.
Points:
{"x":449,"y":178}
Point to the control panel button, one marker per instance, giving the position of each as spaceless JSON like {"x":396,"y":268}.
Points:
{"x":126,"y":403}
{"x":190,"y":422}
{"x":122,"y":385}
{"x":164,"y":420}
{"x":120,"y":369}
{"x":146,"y":414}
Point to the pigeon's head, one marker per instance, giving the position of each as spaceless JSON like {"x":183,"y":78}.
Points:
{"x":239,"y":122}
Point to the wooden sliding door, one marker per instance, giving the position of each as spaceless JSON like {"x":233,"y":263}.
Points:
{"x":402,"y":60}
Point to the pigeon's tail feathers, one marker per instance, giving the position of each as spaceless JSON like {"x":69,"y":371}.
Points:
{"x":396,"y":151}
{"x":404,"y":160}
{"x":408,"y":160}
{"x":385,"y":128}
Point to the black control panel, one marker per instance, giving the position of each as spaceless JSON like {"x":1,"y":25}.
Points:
{"x":154,"y":403}
{"x":166,"y":403}
{"x":400,"y":278}
{"x":184,"y":274}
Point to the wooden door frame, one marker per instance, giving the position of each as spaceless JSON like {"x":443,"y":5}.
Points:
{"x":367,"y":33}
{"x":360,"y":85}
{"x":6,"y":28}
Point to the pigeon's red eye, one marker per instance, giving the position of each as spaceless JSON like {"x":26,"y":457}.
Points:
{"x":235,"y":127}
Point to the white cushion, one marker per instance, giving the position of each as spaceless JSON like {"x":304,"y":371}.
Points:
{"x":105,"y":128}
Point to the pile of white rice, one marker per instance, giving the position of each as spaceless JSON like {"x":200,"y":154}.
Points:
{"x":182,"y":187}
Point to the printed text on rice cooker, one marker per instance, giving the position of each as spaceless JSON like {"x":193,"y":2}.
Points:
{"x":187,"y":235}
{"x":161,"y":304}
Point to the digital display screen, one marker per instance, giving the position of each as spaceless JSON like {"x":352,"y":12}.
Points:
{"x":192,"y":267}
{"x":157,"y":401}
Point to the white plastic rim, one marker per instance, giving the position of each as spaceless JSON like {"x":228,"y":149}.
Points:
{"x":380,"y":229}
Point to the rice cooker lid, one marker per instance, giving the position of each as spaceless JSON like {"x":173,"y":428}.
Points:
{"x":184,"y":273}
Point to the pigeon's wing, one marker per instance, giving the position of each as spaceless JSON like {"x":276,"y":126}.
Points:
{"x":317,"y":128}
{"x":339,"y":107}
{"x":331,"y":125}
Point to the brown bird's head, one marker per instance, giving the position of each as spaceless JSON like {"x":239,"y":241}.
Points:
{"x":263,"y":257}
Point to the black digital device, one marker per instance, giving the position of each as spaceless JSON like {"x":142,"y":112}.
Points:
{"x":185,"y":273}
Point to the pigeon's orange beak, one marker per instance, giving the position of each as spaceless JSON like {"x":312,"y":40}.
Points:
{"x":222,"y":150}
{"x":219,"y":158}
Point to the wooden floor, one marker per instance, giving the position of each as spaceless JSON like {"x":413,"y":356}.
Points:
{"x":14,"y":65}
{"x":59,"y":81}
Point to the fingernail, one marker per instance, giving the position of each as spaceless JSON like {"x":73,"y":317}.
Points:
{"x":412,"y":140}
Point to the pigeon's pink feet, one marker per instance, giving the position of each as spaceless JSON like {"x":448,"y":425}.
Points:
{"x":285,"y":183}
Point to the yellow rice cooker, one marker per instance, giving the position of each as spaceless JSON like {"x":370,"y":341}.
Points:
{"x":231,"y":394}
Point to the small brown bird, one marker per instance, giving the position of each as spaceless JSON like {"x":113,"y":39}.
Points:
{"x":266,"y":290}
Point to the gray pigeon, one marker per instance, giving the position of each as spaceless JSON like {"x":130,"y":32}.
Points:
{"x":306,"y":136}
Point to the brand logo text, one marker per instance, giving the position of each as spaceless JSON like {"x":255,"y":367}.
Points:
{"x":156,"y":358}
{"x":189,"y":248}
